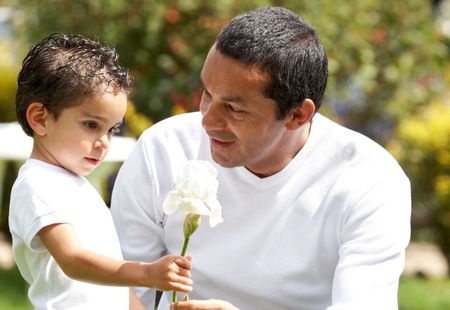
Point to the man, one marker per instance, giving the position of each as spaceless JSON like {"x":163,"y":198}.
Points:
{"x":316,"y":216}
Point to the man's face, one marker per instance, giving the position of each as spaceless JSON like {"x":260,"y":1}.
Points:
{"x":239,"y":120}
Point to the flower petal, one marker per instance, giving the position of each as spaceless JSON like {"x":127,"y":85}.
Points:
{"x":172,"y":202}
{"x":216,"y":213}
{"x":198,"y":178}
{"x":215,"y":218}
{"x":196,"y":192}
{"x":195,"y":206}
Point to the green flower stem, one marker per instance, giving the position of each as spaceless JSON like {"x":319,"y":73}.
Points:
{"x":185,"y":244}
{"x":183,"y":251}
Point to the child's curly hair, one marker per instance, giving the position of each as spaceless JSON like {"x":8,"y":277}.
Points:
{"x":62,"y":70}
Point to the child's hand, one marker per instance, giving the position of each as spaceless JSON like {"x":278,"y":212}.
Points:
{"x":171,"y":273}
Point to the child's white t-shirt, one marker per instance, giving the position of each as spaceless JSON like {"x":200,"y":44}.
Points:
{"x":44,"y":194}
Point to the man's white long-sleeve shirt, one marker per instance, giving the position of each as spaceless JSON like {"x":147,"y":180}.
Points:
{"x":327,"y":232}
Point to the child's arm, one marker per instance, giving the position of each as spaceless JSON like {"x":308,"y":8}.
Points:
{"x":135,"y":303}
{"x":167,"y":273}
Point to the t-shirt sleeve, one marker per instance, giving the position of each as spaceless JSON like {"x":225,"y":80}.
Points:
{"x":374,"y":236}
{"x":35,"y":207}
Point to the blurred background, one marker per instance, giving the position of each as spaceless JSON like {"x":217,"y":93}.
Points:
{"x":389,"y":79}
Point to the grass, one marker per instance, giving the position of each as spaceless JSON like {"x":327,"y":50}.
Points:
{"x":423,"y":294}
{"x":414,"y":294}
{"x":13,"y":291}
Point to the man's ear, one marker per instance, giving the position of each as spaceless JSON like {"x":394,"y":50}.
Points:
{"x":301,"y":114}
{"x":37,"y":116}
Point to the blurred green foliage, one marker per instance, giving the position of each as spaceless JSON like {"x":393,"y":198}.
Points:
{"x":8,"y":73}
{"x":422,"y":145}
{"x":421,"y":294}
{"x":387,"y":62}
{"x":384,"y":57}
{"x":162,"y":42}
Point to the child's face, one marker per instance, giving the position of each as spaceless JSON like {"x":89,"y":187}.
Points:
{"x":80,"y":138}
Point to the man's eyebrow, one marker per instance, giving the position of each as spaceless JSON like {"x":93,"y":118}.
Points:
{"x":238,"y":99}
{"x":230,"y":98}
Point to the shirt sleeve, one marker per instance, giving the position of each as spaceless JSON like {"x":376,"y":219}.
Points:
{"x":374,"y":235}
{"x":37,"y":204}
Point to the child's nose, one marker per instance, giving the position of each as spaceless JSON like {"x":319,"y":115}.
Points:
{"x":102,"y":142}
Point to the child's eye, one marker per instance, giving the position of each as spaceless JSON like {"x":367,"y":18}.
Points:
{"x":90,"y":125}
{"x":114,"y":130}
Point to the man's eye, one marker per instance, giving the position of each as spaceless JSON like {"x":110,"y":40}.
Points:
{"x":205,"y":93}
{"x":233,"y":109}
{"x":90,"y":125}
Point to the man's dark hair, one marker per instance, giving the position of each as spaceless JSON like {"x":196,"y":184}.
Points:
{"x":283,"y":46}
{"x":63,"y":69}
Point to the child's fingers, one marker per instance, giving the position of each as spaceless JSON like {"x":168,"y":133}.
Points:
{"x":184,"y":272}
{"x":183,"y":262}
{"x":180,"y":271}
{"x":182,"y":280}
{"x":180,"y":284}
{"x":179,"y":287}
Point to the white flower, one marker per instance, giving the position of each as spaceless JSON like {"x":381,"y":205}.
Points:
{"x":196,"y":192}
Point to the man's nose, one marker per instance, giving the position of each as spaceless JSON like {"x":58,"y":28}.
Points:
{"x":213,"y":116}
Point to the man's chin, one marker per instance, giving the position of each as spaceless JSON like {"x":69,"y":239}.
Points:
{"x":223,"y":162}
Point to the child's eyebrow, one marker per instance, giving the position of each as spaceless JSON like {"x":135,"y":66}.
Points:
{"x":99,"y":117}
{"x":92,"y":115}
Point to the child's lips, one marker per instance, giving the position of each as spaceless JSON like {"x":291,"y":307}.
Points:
{"x":93,"y":161}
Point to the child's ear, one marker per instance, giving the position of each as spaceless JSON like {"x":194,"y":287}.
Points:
{"x":301,"y":114}
{"x":37,"y":116}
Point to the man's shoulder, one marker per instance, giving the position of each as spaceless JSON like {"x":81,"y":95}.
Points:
{"x":175,"y":135}
{"x":345,"y":137}
{"x":354,"y":148}
{"x":179,"y":122}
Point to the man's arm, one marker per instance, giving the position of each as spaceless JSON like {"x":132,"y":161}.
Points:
{"x":374,"y":235}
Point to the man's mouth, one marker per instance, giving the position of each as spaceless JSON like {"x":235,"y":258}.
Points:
{"x":220,"y":143}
